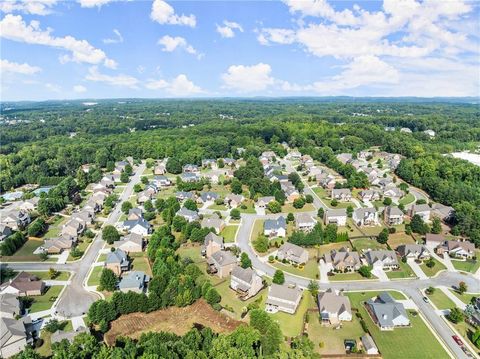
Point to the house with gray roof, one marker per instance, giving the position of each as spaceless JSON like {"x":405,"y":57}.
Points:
{"x":305,"y":222}
{"x":275,"y":227}
{"x":393,"y":192}
{"x":117,"y":261}
{"x":386,"y":312}
{"x":292,"y":253}
{"x":190,"y":168}
{"x":343,"y":260}
{"x":382,"y":259}
{"x":5,"y":231}
{"x":365,"y":216}
{"x":16,"y":219}
{"x":182,"y":196}
{"x":445,"y":213}
{"x":23,"y":285}
{"x":214,"y":222}
{"x":369,"y":345}
{"x":208,"y":197}
{"x":139,"y":226}
{"x":246,"y":282}
{"x":283,"y":298}
{"x":393,"y":216}
{"x":57,"y":245}
{"x":10,"y":305}
{"x":341,"y":194}
{"x":162,"y":181}
{"x":369,"y":195}
{"x":69,"y":336}
{"x":423,"y":210}
{"x":189,"y":215}
{"x":334,"y":306}
{"x":189,"y":177}
{"x":459,"y":249}
{"x":212,"y":243}
{"x":344,"y":157}
{"x":262,"y":202}
{"x":221,"y":263}
{"x":413,"y":251}
{"x":15,"y":335}
{"x":335,"y":216}
{"x":131,"y":243}
{"x":233,"y":200}
{"x":134,"y":281}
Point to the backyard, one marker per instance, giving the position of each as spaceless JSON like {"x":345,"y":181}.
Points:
{"x":396,"y":239}
{"x":366,"y":243}
{"x":139,"y":262}
{"x":25,"y":252}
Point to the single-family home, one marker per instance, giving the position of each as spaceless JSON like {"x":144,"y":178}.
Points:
{"x":341,"y":194}
{"x":29,"y":205}
{"x":189,"y":177}
{"x":363,"y":155}
{"x":335,"y":216}
{"x":393,"y":216}
{"x":162,"y":181}
{"x":117,"y":261}
{"x":159,"y":169}
{"x":131,"y":243}
{"x":134,"y":281}
{"x":405,"y":130}
{"x":334,"y":307}
{"x":15,"y":335}
{"x":84,"y":217}
{"x":283,"y":298}
{"x":221,"y":263}
{"x":386,"y":312}
{"x":214,"y":222}
{"x":305,"y":222}
{"x":134,"y":214}
{"x":458,"y":249}
{"x":384,"y":259}
{"x":144,"y":196}
{"x":293,"y":253}
{"x":344,"y":157}
{"x":212,"y":243}
{"x":190,"y":168}
{"x":385,"y":183}
{"x":208,"y":197}
{"x":17,"y":219}
{"x":230,"y":162}
{"x":291,"y":193}
{"x":365,"y":216}
{"x":182,"y":196}
{"x":10,"y":305}
{"x":57,"y":245}
{"x":138,"y":226}
{"x":246,"y":282}
{"x":423,"y":210}
{"x":275,"y":227}
{"x":430,"y":133}
{"x":209,"y":163}
{"x":326,"y":181}
{"x":233,"y":200}
{"x":72,"y":229}
{"x":101,"y":188}
{"x":343,"y":260}
{"x":262,"y":202}
{"x":369,"y":195}
{"x":445,"y":213}
{"x":393,"y":192}
{"x":369,"y":345}
{"x":93,"y":205}
{"x":108,"y":181}
{"x":413,"y":251}
{"x":69,"y":336}
{"x":5,"y":231}
{"x":23,"y":285}
{"x":188,"y":214}
{"x":434,"y":240}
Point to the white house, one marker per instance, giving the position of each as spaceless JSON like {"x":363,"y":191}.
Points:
{"x":334,"y":307}
{"x":305,"y":222}
{"x":282,"y":298}
{"x":335,"y":216}
{"x":275,"y":227}
{"x":365,"y":216}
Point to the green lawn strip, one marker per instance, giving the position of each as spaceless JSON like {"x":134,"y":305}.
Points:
{"x":140,"y":264}
{"x":44,"y":275}
{"x":218,"y":207}
{"x":102,"y":258}
{"x":469,"y":265}
{"x":94,"y":278}
{"x":434,"y":270}
{"x":366,"y":243}
{"x":81,"y":246}
{"x":346,"y":276}
{"x":46,"y":300}
{"x":409,"y":198}
{"x":403,"y":272}
{"x":416,"y":341}
{"x":310,"y":270}
{"x":28,"y":247}
{"x":466,"y":297}
{"x":250,"y":208}
{"x":440,"y":300}
{"x":229,"y":233}
{"x":257,"y":229}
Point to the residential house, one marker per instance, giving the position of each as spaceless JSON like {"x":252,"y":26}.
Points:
{"x":221,"y":263}
{"x":341,"y":194}
{"x":270,"y":155}
{"x":134,"y":281}
{"x":363,"y":155}
{"x":430,"y":133}
{"x":10,"y":305}
{"x":5,"y":231}
{"x":291,"y":193}
{"x":275,"y":227}
{"x":57,"y":245}
{"x":283,"y":298}
{"x":108,"y":181}
{"x":101,"y":188}
{"x":305,"y":222}
{"x":182,"y":196}
{"x":445,"y":213}
{"x":93,"y":205}
{"x":134,"y":214}
{"x":69,"y":336}
{"x":189,"y":215}
{"x":131,"y":243}
{"x":423,"y":210}
{"x":208,"y":197}
{"x":365,"y":216}
{"x":294,"y":155}
{"x":393,"y":192}
{"x":262,"y":202}
{"x":434,"y":240}
{"x":15,"y":335}
{"x":214,"y":222}
{"x":138,"y":226}
{"x":334,"y":307}
{"x":17,"y":219}
{"x":190,"y":168}
{"x":212,"y":177}
{"x":159,"y":169}
{"x":233,"y":200}
{"x":245,"y":282}
{"x":212,"y":244}
{"x":189,"y":177}
{"x":335,"y":216}
{"x":369,"y":195}
{"x":343,"y":260}
{"x":369,"y":346}
{"x":292,"y":253}
{"x":84,"y":217}
{"x":384,"y":259}
{"x":457,"y":249}
{"x":386,"y":312}
{"x":344,"y":157}
{"x":29,"y":205}
{"x":144,"y":196}
{"x":413,"y":251}
{"x":24,"y":284}
{"x":230,"y":162}
{"x":393,"y":216}
{"x":117,"y":261}
{"x":384,"y":183}
{"x":162,"y":181}
{"x":73,"y":228}
{"x":326,"y":181}
{"x":209,"y":163}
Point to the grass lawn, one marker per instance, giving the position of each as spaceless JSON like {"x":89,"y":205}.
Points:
{"x":396,"y":239}
{"x":288,"y":208}
{"x":257,"y":229}
{"x":25,"y":252}
{"x":55,"y":227}
{"x":194,"y":254}
{"x":440,"y":300}
{"x":94,"y":278}
{"x":45,"y":275}
{"x":400,"y":343}
{"x":218,"y":207}
{"x":310,"y":270}
{"x":366,"y":243}
{"x":326,"y":248}
{"x":350,"y":229}
{"x":372,"y":231}
{"x":465,"y":297}
{"x":229,"y":233}
{"x":331,"y":338}
{"x":140,"y":264}
{"x":404,"y":272}
{"x":348,"y":276}
{"x":46,"y":349}
{"x":409,"y":198}
{"x":250,"y":207}
{"x":230,"y":299}
{"x":45,"y":301}
{"x":102,"y":258}
{"x":81,"y":246}
{"x":469,"y":265}
{"x":434,"y":270}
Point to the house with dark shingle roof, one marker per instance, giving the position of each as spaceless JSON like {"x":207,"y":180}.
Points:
{"x":24,"y":284}
{"x":275,"y":227}
{"x":386,"y":312}
{"x":293,"y":253}
{"x":134,"y":281}
{"x":212,"y":243}
{"x":189,"y":215}
{"x":333,"y":306}
{"x":117,"y":261}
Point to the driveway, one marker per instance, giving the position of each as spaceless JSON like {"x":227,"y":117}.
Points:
{"x":416,"y":269}
{"x":324,"y":268}
{"x":380,"y":274}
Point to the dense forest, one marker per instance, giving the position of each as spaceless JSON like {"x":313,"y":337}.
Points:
{"x":46,"y":142}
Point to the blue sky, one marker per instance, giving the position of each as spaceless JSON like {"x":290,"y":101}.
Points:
{"x":54,"y":49}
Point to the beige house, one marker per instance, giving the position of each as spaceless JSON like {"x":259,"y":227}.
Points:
{"x":14,"y":336}
{"x":221,"y":263}
{"x":24,"y":284}
{"x":283,"y":298}
{"x":212,"y":244}
{"x":131,"y":243}
{"x":293,"y":253}
{"x":117,"y":261}
{"x":245,"y":282}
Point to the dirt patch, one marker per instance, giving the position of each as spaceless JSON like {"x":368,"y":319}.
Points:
{"x":172,"y":319}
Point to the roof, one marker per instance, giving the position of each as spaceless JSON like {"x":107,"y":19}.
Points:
{"x":293,"y":249}
{"x":284,"y":292}
{"x":337,"y":191}
{"x":304,"y":218}
{"x":131,"y":237}
{"x":212,"y":237}
{"x":26,"y":282}
{"x":61,"y":243}
{"x":465,"y":245}
{"x":386,"y":309}
{"x":362,"y":212}
{"x":393,"y":211}
{"x":406,"y":249}
{"x":205,"y":196}
{"x":223,"y":258}
{"x":60,"y":335}
{"x":421,"y":208}
{"x":332,"y":302}
{"x":137,"y":222}
{"x":212,"y":222}
{"x":273,"y":224}
{"x":9,"y":328}
{"x":368,"y":342}
{"x":381,"y":255}
{"x":117,"y":256}
{"x":9,"y":303}
{"x":266,"y":199}
{"x":187,"y":213}
{"x":133,"y":280}
{"x":244,"y":274}
{"x":336,"y":212}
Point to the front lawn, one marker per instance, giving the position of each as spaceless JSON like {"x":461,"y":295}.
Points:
{"x":440,"y":300}
{"x":405,"y":271}
{"x":94,"y":278}
{"x":25,"y":252}
{"x":288,"y":208}
{"x":409,"y":198}
{"x":46,"y":300}
{"x":430,"y":272}
{"x":469,"y":265}
{"x":347,"y":276}
{"x":416,"y":341}
{"x":257,"y":229}
{"x":82,"y":247}
{"x":465,"y":297}
{"x":44,"y":275}
{"x":229,"y":233}
{"x":310,"y":270}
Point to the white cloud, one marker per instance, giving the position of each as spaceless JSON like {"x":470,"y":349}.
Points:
{"x":33,"y":7}
{"x":117,"y":40}
{"x":93,"y":3}
{"x":79,"y":89}
{"x":53,"y":87}
{"x":180,"y":86}
{"x":163,"y":13}
{"x":248,"y":78}
{"x":278,"y":36}
{"x":13,"y":67}
{"x":120,"y":80}
{"x":227,"y":30}
{"x":170,"y":44}
{"x":14,"y":28}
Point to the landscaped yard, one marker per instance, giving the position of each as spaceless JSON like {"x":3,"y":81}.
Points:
{"x":326,"y":248}
{"x":94,"y":278}
{"x":372,"y":231}
{"x":366,"y":243}
{"x":400,"y":343}
{"x":46,"y":276}
{"x":332,"y":339}
{"x":82,"y":247}
{"x":45,"y":301}
{"x":46,"y":350}
{"x":310,"y":270}
{"x":194,"y":254}
{"x":405,"y":271}
{"x":25,"y":253}
{"x":434,"y":270}
{"x":466,"y":297}
{"x":396,"y":239}
{"x":322,"y":193}
{"x":140,"y":263}
{"x":288,"y":208}
{"x":218,"y":207}
{"x":250,"y":207}
{"x":55,"y":227}
{"x":348,"y":276}
{"x":229,"y":233}
{"x":257,"y":229}
{"x":230,"y":299}
{"x":409,"y":198}
{"x":469,"y":265}
{"x":440,"y":300}
{"x":351,"y":229}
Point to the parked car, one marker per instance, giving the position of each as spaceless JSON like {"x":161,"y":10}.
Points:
{"x":425,"y":299}
{"x":457,"y":340}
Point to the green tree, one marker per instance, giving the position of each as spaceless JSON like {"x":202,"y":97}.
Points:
{"x":320,"y":212}
{"x":190,"y":204}
{"x":110,"y":234}
{"x":124,"y":177}
{"x":108,"y":280}
{"x":349,"y":211}
{"x":245,"y":261}
{"x":290,"y":217}
{"x":383,"y":236}
{"x":37,"y":228}
{"x":274,"y":207}
{"x":334,"y":203}
{"x":137,"y":188}
{"x":144,"y":180}
{"x":313,"y":288}
{"x":462,"y":287}
{"x":309,"y":198}
{"x":261,"y":244}
{"x":212,"y":297}
{"x":235,"y":214}
{"x":174,"y":166}
{"x":365,"y":271}
{"x":298,"y":202}
{"x":52,"y":273}
{"x":418,"y":225}
{"x":430,"y":263}
{"x":278,"y":277}
{"x":126,"y":206}
{"x":270,"y":334}
{"x":455,"y":315}
{"x":436,"y":225}
{"x":236,"y":186}
{"x":387,"y":201}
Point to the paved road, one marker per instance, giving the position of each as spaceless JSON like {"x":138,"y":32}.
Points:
{"x":76,"y":299}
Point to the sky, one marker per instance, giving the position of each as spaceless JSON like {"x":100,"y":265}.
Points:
{"x":81,"y":49}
